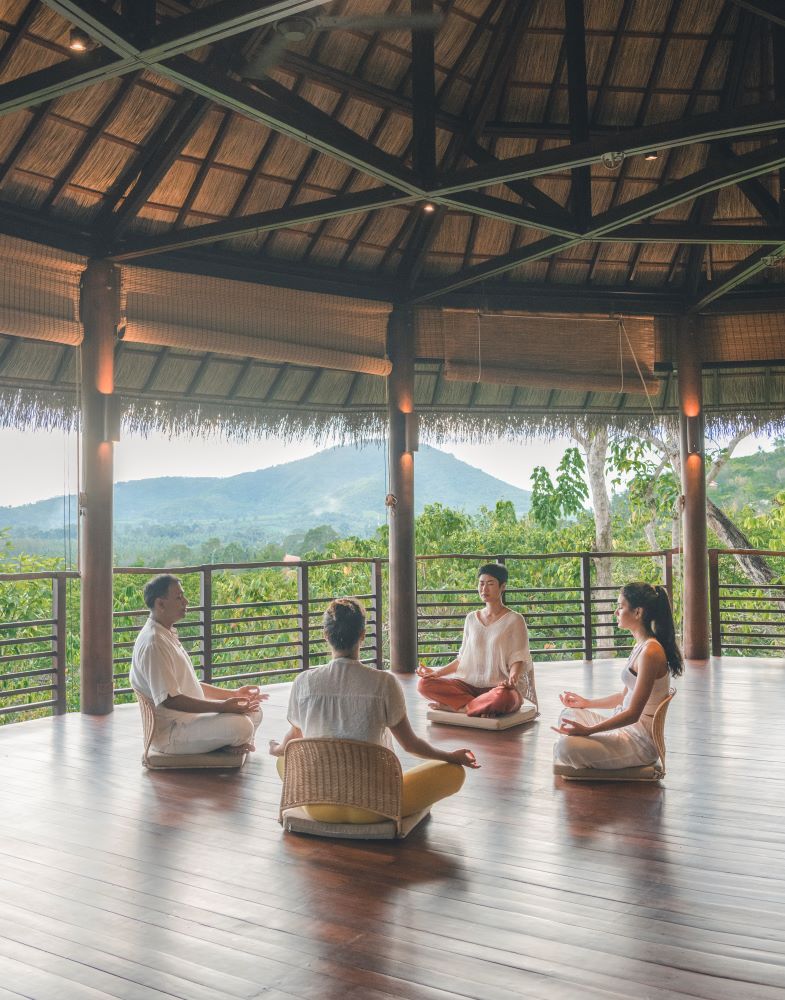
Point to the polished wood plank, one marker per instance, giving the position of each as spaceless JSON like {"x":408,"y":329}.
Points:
{"x":118,"y":882}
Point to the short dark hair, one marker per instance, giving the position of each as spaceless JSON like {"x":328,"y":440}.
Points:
{"x":344,"y":622}
{"x":496,"y":570}
{"x":158,"y":587}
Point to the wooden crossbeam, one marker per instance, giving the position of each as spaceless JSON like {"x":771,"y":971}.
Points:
{"x":292,"y":116}
{"x":292,"y":215}
{"x":423,"y":100}
{"x":700,"y":182}
{"x":738,"y":275}
{"x":747,"y":120}
{"x":769,"y":10}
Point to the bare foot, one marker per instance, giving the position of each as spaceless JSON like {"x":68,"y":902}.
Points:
{"x":438,"y":707}
{"x":243,"y":748}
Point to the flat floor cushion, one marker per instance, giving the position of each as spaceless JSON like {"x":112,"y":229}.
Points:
{"x":525,"y":713}
{"x":217,"y":758}
{"x":298,"y":821}
{"x":647,"y":772}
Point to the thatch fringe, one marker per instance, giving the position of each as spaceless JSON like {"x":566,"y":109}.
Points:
{"x":26,"y":409}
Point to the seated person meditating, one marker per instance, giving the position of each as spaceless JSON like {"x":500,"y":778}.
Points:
{"x":190,"y":717}
{"x":347,"y":700}
{"x":493,"y":671}
{"x":623,"y":738}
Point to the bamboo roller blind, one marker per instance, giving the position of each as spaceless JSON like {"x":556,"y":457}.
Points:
{"x":257,"y":321}
{"x":39,"y":292}
{"x":551,"y":352}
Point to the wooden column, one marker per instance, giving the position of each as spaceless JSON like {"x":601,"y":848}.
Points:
{"x":99,"y":308}
{"x":403,"y":567}
{"x":695,"y":565}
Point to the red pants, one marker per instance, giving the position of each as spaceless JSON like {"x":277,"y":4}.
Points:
{"x":457,"y":694}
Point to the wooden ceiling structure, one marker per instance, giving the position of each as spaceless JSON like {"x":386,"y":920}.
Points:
{"x":584,"y":157}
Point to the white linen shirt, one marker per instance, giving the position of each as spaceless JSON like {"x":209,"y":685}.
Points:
{"x":161,"y":667}
{"x":346,"y":700}
{"x":488,"y":651}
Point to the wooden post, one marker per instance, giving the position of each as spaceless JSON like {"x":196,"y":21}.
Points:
{"x":99,"y":307}
{"x":693,"y":483}
{"x":403,"y":567}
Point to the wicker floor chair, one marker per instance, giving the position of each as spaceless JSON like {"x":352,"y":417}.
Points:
{"x":166,"y":761}
{"x":344,"y":773}
{"x":648,"y":772}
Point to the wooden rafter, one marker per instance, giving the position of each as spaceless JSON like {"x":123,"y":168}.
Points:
{"x":578,"y":99}
{"x":700,"y":182}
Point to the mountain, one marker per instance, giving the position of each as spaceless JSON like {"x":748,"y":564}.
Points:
{"x":751,"y":479}
{"x":343,"y":487}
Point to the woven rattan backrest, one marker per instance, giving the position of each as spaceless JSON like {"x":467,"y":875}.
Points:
{"x":148,"y":720}
{"x":342,"y":773}
{"x":658,"y":726}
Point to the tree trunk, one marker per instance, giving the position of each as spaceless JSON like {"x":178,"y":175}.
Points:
{"x":755,"y":568}
{"x":595,"y":446}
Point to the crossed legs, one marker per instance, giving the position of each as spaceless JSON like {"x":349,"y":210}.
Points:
{"x":457,"y":696}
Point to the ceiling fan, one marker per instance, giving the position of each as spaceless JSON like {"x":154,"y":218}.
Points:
{"x":297,"y":29}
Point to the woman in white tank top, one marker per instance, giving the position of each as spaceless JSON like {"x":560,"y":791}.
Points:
{"x":622,"y":738}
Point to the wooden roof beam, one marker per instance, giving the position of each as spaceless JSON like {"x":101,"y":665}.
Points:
{"x":294,"y":117}
{"x":62,"y":78}
{"x":700,"y":182}
{"x":280,"y":218}
{"x":423,"y":100}
{"x":578,"y":100}
{"x":738,"y":275}
{"x":769,"y":10}
{"x":744,"y":121}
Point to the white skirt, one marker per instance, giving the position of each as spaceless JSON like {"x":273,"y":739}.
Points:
{"x":627,"y":747}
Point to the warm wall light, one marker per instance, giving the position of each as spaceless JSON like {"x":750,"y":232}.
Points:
{"x":694,"y":435}
{"x":112,"y":418}
{"x":78,"y":40}
{"x":412,"y":432}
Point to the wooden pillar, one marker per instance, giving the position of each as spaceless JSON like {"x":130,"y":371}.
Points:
{"x":99,"y":308}
{"x":403,"y":567}
{"x":695,"y":565}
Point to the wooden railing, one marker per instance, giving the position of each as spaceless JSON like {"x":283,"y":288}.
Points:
{"x":236,"y":641}
{"x":272,"y":630}
{"x":747,"y":619}
{"x":570,"y":617}
{"x":33,"y":648}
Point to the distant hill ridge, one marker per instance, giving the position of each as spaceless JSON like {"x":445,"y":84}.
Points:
{"x":343,"y":487}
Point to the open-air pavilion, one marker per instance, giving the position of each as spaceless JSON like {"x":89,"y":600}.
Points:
{"x":439,"y":217}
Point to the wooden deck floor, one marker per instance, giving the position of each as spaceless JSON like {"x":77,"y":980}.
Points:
{"x":115,"y":882}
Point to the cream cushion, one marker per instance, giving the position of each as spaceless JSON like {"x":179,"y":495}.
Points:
{"x":525,"y":713}
{"x":298,"y":821}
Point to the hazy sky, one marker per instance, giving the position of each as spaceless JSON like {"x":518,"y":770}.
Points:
{"x":40,"y":464}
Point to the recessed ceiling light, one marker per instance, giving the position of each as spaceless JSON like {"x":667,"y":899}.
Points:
{"x":429,"y":207}
{"x":651,"y":155}
{"x":78,"y":40}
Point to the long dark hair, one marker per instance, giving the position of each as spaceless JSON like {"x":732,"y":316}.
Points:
{"x":344,"y":622}
{"x":658,"y":619}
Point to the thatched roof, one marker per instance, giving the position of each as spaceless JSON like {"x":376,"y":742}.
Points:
{"x":170,"y":147}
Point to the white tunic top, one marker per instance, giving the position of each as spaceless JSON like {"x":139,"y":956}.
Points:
{"x":346,"y":700}
{"x":160,"y":668}
{"x":488,"y":651}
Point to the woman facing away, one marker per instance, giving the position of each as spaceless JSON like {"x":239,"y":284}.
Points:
{"x":623,"y":738}
{"x":347,"y":700}
{"x":493,"y":671}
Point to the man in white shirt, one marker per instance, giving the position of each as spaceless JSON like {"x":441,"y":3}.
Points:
{"x":190,"y":716}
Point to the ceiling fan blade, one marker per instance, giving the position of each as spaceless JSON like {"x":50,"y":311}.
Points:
{"x":380,"y":22}
{"x":265,"y":59}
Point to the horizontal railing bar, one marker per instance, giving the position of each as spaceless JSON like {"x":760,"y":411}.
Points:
{"x":18,"y":692}
{"x":748,"y":622}
{"x":26,"y":640}
{"x":37,"y":622}
{"x":35,"y":706}
{"x":257,"y":604}
{"x":34,"y":655}
{"x":245,"y":619}
{"x":243,"y":663}
{"x":528,"y":556}
{"x":19,"y":674}
{"x":743,"y":646}
{"x":255,"y":647}
{"x":327,"y":600}
{"x":60,"y":574}
{"x":753,"y":635}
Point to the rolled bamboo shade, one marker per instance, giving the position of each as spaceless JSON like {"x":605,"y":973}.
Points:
{"x":755,"y":337}
{"x":552,"y":352}
{"x":279,"y":325}
{"x":39,"y":292}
